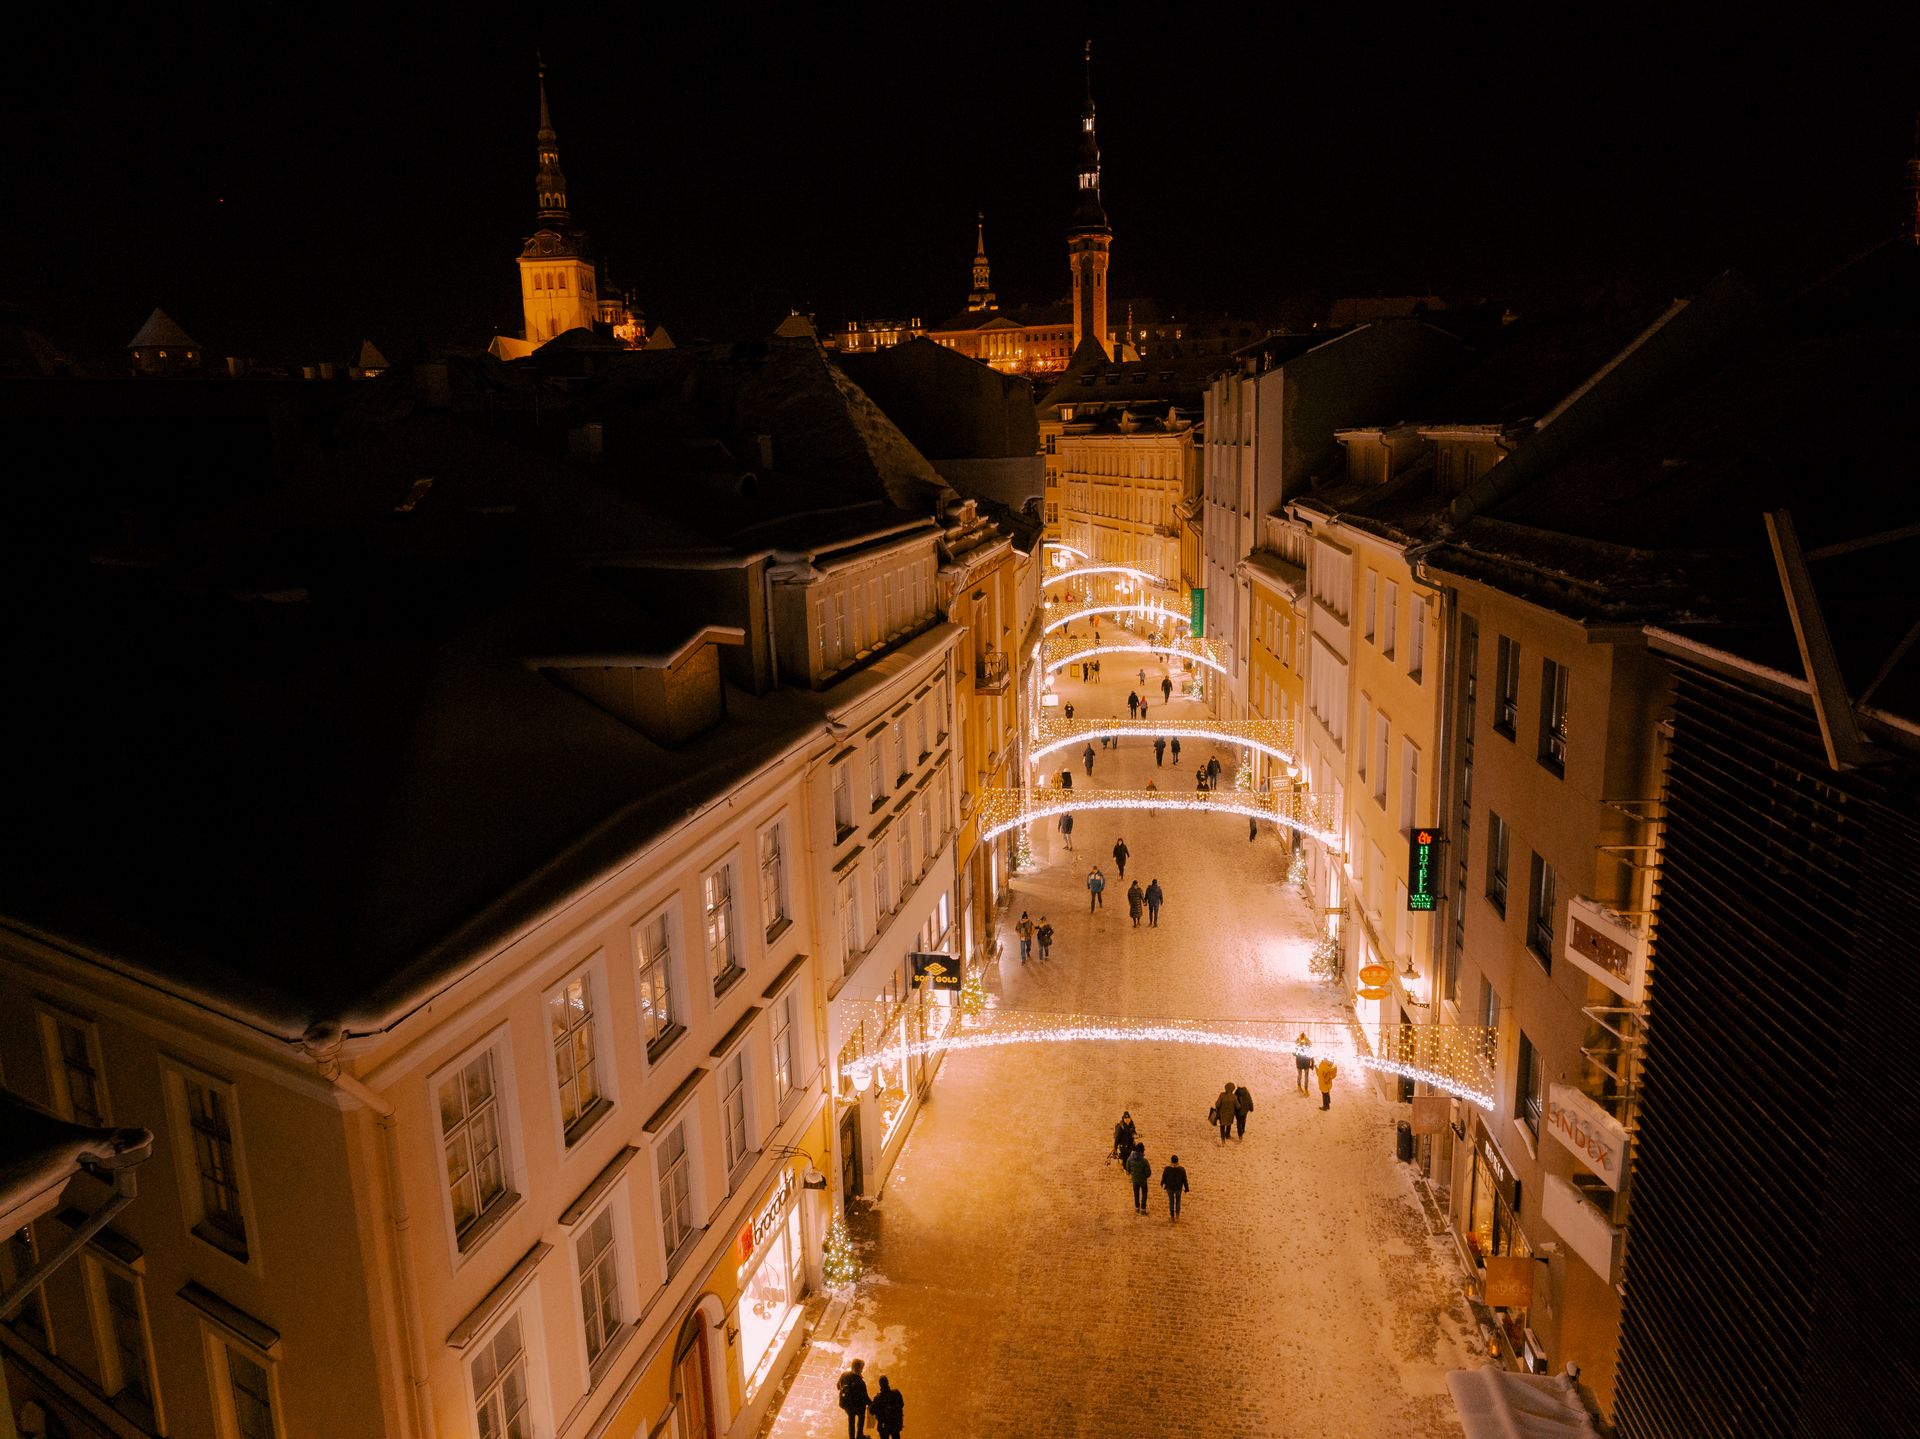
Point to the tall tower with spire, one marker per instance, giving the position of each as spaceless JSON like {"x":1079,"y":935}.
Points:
{"x":1089,"y":238}
{"x":557,"y":283}
{"x":981,"y":297}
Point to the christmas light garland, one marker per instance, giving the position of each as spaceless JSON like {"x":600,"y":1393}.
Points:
{"x":1140,"y":575}
{"x":1000,"y":810}
{"x":1063,"y":650}
{"x":1268,"y":736}
{"x":1141,"y":611}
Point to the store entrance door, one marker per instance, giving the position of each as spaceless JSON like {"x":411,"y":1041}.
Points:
{"x":696,"y":1393}
{"x":850,"y":1175}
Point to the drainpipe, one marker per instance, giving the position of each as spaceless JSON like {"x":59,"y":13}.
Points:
{"x":322,"y":1043}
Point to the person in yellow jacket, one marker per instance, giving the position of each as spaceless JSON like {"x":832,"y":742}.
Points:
{"x":1326,"y":1069}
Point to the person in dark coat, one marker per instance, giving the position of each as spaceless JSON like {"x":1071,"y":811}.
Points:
{"x":1066,"y":830}
{"x":1253,"y":829}
{"x":1066,"y":779}
{"x":1123,"y":1133}
{"x":1153,"y":897}
{"x":853,"y":1399}
{"x":1159,"y":751}
{"x":1174,"y":749}
{"x":1166,"y":688}
{"x":1173,"y":1179}
{"x":1069,"y":709}
{"x":1223,"y":1112}
{"x":1133,"y":703}
{"x":1120,"y":853}
{"x":1136,"y":900}
{"x":889,"y":1411}
{"x":1044,"y":935}
{"x":1242,"y":1107}
{"x":1025,"y":930}
{"x":1087,"y":755}
{"x":1213,"y":771}
{"x":1140,"y":1171}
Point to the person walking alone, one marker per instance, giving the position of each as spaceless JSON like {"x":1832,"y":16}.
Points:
{"x":889,"y":1411}
{"x":1069,"y":710}
{"x":1326,"y":1070}
{"x":1123,"y":1134}
{"x":1120,"y":853}
{"x":1302,"y":1061}
{"x":1223,"y":1112}
{"x":1166,"y":689}
{"x":1153,"y":897}
{"x":1253,"y":829}
{"x":853,"y":1399}
{"x":1066,"y":831}
{"x":1133,"y":703}
{"x":1174,"y":749}
{"x":1045,"y":935}
{"x":1135,"y":900}
{"x":1173,"y":1179}
{"x":1096,"y":884}
{"x":1160,"y":751}
{"x":1140,"y":1171}
{"x":1087,"y":755}
{"x":1242,"y":1107}
{"x":1024,"y":928}
{"x":1213,"y":771}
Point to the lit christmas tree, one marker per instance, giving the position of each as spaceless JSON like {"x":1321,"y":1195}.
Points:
{"x":973,"y":994}
{"x":1022,"y":852}
{"x":838,"y":1264}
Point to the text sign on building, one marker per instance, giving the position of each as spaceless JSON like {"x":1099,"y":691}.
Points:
{"x":1608,"y":946}
{"x":752,"y":1236}
{"x":1423,"y":868}
{"x":940,"y":971}
{"x":1432,"y":1113}
{"x":1597,"y":1139}
{"x":1198,"y":623}
{"x":1509,"y":1282}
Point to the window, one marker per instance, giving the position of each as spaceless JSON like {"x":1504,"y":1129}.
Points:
{"x":901,"y":760}
{"x":1526,"y":1100}
{"x":210,"y":1161}
{"x":903,"y":847}
{"x":1507,"y":687}
{"x":120,"y":1320}
{"x":676,"y":1194}
{"x":1489,"y":1005}
{"x":1498,"y":836}
{"x":1362,"y":735}
{"x":1416,"y":636}
{"x":1553,"y":716}
{"x":653,"y":957}
{"x":882,"y":882}
{"x":243,"y":1390}
{"x":1389,"y":617}
{"x":1382,"y":747}
{"x":74,"y":1071}
{"x":471,"y":1131}
{"x":852,"y":938}
{"x":926,"y":830}
{"x":920,"y":725}
{"x":1540,"y":901}
{"x":1372,"y":605}
{"x":842,"y":803}
{"x":723,"y":960}
{"x":876,"y":774}
{"x":501,"y":1393}
{"x":1409,"y":782}
{"x":733,"y":1110}
{"x":785,"y":1060}
{"x":597,"y":1260}
{"x":30,"y":1319}
{"x":1469,"y":667}
{"x":576,"y":1064}
{"x":773,"y":880}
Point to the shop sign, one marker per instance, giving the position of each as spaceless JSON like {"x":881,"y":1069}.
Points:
{"x":1197,"y":624}
{"x":1607,"y":946}
{"x":1509,"y":1282}
{"x":1373,"y":992}
{"x":940,"y":971}
{"x":753,"y":1235}
{"x":1423,"y":868}
{"x":1597,"y":1139}
{"x":1502,"y":1172}
{"x":1374,"y":976}
{"x":1432,"y":1113}
{"x":1577,"y":1220}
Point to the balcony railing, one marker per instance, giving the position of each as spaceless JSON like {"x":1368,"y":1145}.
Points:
{"x":991,"y":673}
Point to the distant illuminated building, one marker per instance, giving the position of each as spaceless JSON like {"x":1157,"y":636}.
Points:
{"x":864,"y":337}
{"x":163,"y":348}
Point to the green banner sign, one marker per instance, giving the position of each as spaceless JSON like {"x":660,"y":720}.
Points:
{"x":1199,"y":622}
{"x":1423,"y":868}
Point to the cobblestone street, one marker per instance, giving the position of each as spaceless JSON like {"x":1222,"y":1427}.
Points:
{"x":1011,"y":1287}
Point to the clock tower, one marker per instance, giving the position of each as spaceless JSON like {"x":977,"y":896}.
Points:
{"x":1089,"y":238}
{"x":558,"y":291}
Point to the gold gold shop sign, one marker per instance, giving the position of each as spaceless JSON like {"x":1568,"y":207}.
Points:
{"x":940,"y":971}
{"x":753,"y":1235}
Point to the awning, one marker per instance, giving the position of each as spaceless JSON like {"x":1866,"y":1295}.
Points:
{"x":1498,"y":1404}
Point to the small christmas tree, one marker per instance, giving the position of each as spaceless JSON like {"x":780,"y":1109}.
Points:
{"x":973,"y":994}
{"x":1022,"y":852}
{"x":838,"y":1264}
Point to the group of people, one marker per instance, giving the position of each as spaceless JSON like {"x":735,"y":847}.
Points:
{"x":1139,"y":900}
{"x":885,"y":1404}
{"x":1304,"y":1069}
{"x":1030,"y":933}
{"x":1131,"y":1151}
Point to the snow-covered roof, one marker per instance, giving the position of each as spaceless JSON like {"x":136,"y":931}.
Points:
{"x":370,"y":357}
{"x":40,"y":1152}
{"x":160,"y":329}
{"x":1498,"y":1404}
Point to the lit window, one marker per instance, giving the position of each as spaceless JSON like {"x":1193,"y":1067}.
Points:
{"x":773,"y":879}
{"x":785,"y":1066}
{"x":576,"y":1070}
{"x":723,"y":960}
{"x":1553,"y":716}
{"x":471,"y":1133}
{"x":653,"y":949}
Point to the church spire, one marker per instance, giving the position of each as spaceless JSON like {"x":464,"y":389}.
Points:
{"x":1088,"y":214}
{"x":550,"y":184}
{"x":982,"y":296}
{"x":1088,"y":238}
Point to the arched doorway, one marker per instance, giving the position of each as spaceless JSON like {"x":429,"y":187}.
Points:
{"x":694,"y":1379}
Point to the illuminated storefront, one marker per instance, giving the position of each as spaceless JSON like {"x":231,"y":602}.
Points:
{"x":772,"y":1280}
{"x":1494,"y":1232}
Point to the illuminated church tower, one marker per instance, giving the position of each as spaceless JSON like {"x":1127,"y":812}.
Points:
{"x":1088,"y":239}
{"x":557,"y":290}
{"x":982,"y":296}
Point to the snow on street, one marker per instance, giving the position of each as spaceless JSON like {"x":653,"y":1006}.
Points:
{"x":1011,"y":1287}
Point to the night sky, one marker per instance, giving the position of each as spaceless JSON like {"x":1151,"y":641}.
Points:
{"x":284,"y":190}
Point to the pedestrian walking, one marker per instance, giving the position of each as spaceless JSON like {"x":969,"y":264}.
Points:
{"x":1133,"y":703}
{"x":1173,"y":1179}
{"x":1302,"y":1060}
{"x":1326,"y":1070}
{"x":1024,"y":928}
{"x":1166,"y":689}
{"x":1066,"y":831}
{"x":1213,"y":771}
{"x":1087,"y":755}
{"x":1096,"y":663}
{"x":1136,"y":900}
{"x":1140,"y":1171}
{"x":1083,"y":671}
{"x":889,"y":1411}
{"x":1120,"y":853}
{"x":1174,"y":749}
{"x":1044,"y":934}
{"x":1069,"y":709}
{"x":1143,"y":679}
{"x":1160,"y":750}
{"x":1222,"y":1112}
{"x":1153,"y":897}
{"x":1143,"y":709}
{"x":1242,"y":1107}
{"x":1066,"y":779}
{"x":853,"y":1399}
{"x":1200,"y":779}
{"x":1096,"y":883}
{"x":1253,"y":828}
{"x":1123,"y":1133}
